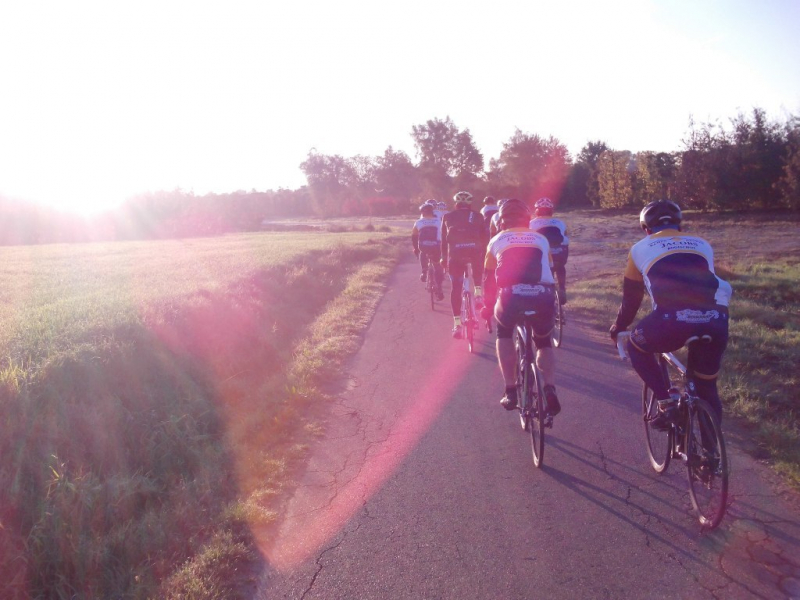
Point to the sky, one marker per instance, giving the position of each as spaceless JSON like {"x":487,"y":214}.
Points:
{"x":100,"y":101}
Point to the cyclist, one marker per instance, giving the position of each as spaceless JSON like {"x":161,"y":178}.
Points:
{"x":556,"y":233}
{"x":688,"y":300}
{"x":494,"y":221}
{"x":426,"y":241}
{"x":489,"y":209}
{"x":518,"y":277}
{"x":463,"y":241}
{"x":441,"y":209}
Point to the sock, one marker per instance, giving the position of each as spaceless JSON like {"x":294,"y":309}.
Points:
{"x":478,"y":290}
{"x":457,"y":321}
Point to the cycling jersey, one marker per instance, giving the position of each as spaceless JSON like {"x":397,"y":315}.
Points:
{"x":463,"y":234}
{"x":518,"y":264}
{"x":494,"y":224}
{"x":488,"y":210}
{"x":519,"y":257}
{"x":678,"y":271}
{"x":553,"y":229}
{"x":426,"y":234}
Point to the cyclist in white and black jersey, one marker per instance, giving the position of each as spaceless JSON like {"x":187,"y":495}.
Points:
{"x":494,"y":220}
{"x":677,"y":270}
{"x":556,"y":233}
{"x":440,"y":210}
{"x":426,"y":239}
{"x":488,"y":210}
{"x":518,"y":278}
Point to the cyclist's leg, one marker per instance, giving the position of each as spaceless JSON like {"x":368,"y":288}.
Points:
{"x":545,"y":355}
{"x":505,"y":314}
{"x":560,"y":271}
{"x":456,"y":267}
{"x":705,"y":359}
{"x":435,"y":256}
{"x":652,"y":335}
{"x":477,"y":273}
{"x":423,"y":263}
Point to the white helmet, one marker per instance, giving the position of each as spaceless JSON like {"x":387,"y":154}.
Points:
{"x":462,"y":198}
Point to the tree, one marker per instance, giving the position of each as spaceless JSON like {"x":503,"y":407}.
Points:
{"x":789,"y":184}
{"x":328,"y":178}
{"x":445,"y":153}
{"x":589,"y":156}
{"x":396,"y":177}
{"x":531,"y":166}
{"x":615,"y":177}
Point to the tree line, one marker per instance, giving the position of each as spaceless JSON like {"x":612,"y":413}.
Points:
{"x":753,"y":163}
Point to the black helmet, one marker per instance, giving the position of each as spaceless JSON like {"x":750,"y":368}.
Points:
{"x":514,"y":211}
{"x":660,"y":212}
{"x":488,"y":200}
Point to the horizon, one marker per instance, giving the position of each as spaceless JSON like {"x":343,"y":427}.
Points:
{"x":113,"y":102}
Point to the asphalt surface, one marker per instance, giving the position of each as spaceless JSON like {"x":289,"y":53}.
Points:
{"x":424,"y":487}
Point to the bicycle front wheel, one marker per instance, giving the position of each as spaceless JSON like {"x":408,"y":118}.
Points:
{"x":558,"y":326}
{"x":469,"y":320}
{"x":524,"y":378}
{"x":539,"y":415}
{"x":707,"y":464}
{"x":432,"y":284}
{"x":659,"y":443}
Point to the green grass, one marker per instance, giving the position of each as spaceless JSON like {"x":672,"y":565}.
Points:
{"x":149,"y":404}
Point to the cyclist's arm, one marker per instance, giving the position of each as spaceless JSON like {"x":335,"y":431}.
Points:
{"x":444,"y":242}
{"x":415,"y":238}
{"x":632,"y":296}
{"x":489,"y":280}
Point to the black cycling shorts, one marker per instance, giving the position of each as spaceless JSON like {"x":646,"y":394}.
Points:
{"x":513,"y":302}
{"x":668,"y":330}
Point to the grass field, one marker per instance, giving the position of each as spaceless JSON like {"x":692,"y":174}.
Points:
{"x":760,"y":256}
{"x":151,"y":401}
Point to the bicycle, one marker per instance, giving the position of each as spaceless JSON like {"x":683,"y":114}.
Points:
{"x":558,"y":328}
{"x":469,"y":322}
{"x":430,"y":282}
{"x":533,"y":416}
{"x":695,"y":437}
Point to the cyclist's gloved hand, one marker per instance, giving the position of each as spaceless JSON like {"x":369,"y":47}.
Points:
{"x":486,"y":313}
{"x":614,"y":331}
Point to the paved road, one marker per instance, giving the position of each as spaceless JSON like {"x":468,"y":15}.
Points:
{"x":423,"y":486}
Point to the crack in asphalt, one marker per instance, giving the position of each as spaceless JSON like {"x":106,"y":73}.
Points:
{"x":321,"y":556}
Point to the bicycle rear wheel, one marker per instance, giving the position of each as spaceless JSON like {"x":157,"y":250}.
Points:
{"x":558,"y":326}
{"x":707,"y":464}
{"x":538,"y":416}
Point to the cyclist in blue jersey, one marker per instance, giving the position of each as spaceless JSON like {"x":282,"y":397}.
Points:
{"x":688,"y":299}
{"x":426,"y":241}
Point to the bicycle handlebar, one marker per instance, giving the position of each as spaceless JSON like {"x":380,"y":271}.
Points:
{"x":622,"y":341}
